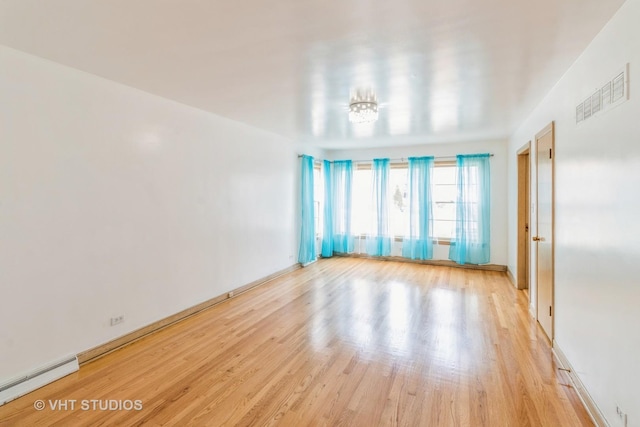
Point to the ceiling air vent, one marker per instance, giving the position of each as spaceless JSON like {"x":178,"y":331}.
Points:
{"x":612,"y":93}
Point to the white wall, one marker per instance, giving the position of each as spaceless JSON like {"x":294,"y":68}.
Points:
{"x":597,"y":207}
{"x":114,"y":201}
{"x":498,"y":182}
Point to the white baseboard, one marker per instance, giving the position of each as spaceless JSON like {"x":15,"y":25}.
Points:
{"x":27,"y":383}
{"x":105,"y":348}
{"x":512,"y":279}
{"x":590,"y":405}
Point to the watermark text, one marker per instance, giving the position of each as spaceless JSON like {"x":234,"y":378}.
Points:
{"x":88,"y":405}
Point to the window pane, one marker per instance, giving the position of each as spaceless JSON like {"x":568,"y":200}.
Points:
{"x":398,"y":204}
{"x":362,"y":204}
{"x":444,"y":211}
{"x":444,"y":174}
{"x":318,"y":199}
{"x":444,"y":229}
{"x":445,"y":193}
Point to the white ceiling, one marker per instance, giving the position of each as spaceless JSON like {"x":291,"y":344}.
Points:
{"x":443,"y":70}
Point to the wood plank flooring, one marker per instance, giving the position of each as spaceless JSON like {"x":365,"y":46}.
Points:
{"x":343,"y":342}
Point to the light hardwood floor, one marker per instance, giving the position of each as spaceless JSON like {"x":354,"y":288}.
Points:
{"x":341,"y":342}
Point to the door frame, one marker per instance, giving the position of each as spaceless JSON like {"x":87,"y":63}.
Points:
{"x":523,"y":268}
{"x":549,"y":128}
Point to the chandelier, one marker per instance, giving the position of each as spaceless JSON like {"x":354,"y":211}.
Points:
{"x":363,"y":107}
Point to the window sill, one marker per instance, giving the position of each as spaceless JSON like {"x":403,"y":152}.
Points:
{"x":442,"y":242}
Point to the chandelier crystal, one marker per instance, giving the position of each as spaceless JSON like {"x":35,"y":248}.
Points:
{"x":363,"y":108}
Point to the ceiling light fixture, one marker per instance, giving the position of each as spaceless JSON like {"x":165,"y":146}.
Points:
{"x":363,"y":107}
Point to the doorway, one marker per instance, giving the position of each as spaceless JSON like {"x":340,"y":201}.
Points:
{"x":524,"y":218}
{"x":543,"y":240}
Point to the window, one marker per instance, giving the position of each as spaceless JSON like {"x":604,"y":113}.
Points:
{"x":318,"y":197}
{"x":444,"y":192}
{"x":362,"y":216}
{"x":356,"y":213}
{"x":362,"y":205}
{"x":398,"y":204}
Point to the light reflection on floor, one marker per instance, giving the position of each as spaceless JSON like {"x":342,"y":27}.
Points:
{"x":391,"y":321}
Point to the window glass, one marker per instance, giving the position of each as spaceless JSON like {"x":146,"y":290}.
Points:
{"x":399,"y":202}
{"x":318,"y":198}
{"x":444,"y":201}
{"x":443,"y":190}
{"x":362,"y":205}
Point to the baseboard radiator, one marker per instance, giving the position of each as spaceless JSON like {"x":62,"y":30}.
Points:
{"x":38,"y":378}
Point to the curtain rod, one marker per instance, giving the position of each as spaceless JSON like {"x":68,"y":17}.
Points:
{"x":401,"y":159}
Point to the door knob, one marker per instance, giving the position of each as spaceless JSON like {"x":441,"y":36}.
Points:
{"x":538,"y":239}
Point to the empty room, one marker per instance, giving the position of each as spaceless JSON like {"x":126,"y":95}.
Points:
{"x":320,"y":213}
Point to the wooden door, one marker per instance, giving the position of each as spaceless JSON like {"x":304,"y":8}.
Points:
{"x":544,"y":229}
{"x":524,"y":209}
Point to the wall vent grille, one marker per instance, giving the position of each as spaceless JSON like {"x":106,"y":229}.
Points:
{"x":611,"y":94}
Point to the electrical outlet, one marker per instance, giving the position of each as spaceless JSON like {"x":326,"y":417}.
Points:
{"x":117,"y":320}
{"x":622,"y":416}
